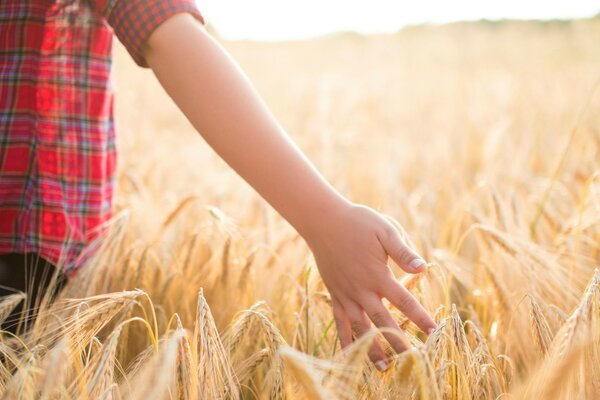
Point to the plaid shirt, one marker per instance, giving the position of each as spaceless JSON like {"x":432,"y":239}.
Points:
{"x":57,"y":139}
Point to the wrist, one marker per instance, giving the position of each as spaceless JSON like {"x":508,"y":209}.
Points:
{"x":321,"y":215}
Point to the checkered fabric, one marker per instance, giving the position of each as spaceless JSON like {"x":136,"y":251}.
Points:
{"x":57,"y":136}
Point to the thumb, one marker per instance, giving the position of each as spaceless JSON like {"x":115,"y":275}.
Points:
{"x":404,"y":256}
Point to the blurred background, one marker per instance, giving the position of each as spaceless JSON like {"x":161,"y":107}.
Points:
{"x":394,"y":113}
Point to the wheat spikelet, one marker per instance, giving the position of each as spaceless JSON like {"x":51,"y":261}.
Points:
{"x":274,"y":341}
{"x":501,"y":292}
{"x":141,"y":359}
{"x":178,"y":210}
{"x":490,"y":379}
{"x":302,"y":371}
{"x":102,"y":371}
{"x":421,"y":375}
{"x":561,"y":316}
{"x":482,"y":352}
{"x":551,"y":378}
{"x":483,"y":387}
{"x":111,"y":392}
{"x":9,"y":359}
{"x":411,"y":281}
{"x":462,"y":354}
{"x":215,"y":375}
{"x":22,"y":384}
{"x":500,"y":210}
{"x":246,"y":270}
{"x":354,"y":358}
{"x":582,"y":315}
{"x":403,"y":366}
{"x":245,"y":369}
{"x":542,"y":335}
{"x":459,"y":335}
{"x":225,"y":262}
{"x":274,"y":338}
{"x":500,"y":239}
{"x":190,"y":250}
{"x":507,"y":367}
{"x":414,"y":368}
{"x":55,"y":367}
{"x":560,"y":372}
{"x":325,"y":378}
{"x":9,"y":303}
{"x":356,"y":352}
{"x":566,"y":355}
{"x":187,"y":376}
{"x":436,"y":343}
{"x":160,"y":371}
{"x":87,"y":323}
{"x":323,"y":297}
{"x":276,"y":392}
{"x":242,"y":325}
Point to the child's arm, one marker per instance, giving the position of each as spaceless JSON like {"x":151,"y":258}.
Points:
{"x":350,"y":243}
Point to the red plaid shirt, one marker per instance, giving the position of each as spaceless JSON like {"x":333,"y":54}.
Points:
{"x":57,"y":139}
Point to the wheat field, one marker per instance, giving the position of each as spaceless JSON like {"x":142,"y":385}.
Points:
{"x":482,"y":140}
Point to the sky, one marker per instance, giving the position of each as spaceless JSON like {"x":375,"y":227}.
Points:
{"x":275,"y":20}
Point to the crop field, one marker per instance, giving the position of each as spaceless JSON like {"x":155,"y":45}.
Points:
{"x":482,"y":140}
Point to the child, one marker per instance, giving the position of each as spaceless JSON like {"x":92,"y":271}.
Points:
{"x":57,"y":151}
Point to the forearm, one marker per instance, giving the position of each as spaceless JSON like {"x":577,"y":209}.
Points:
{"x":222,"y":105}
{"x":350,"y":244}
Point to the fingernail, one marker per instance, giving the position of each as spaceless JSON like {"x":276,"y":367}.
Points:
{"x":431,"y":331}
{"x":416,"y":263}
{"x":382,"y":365}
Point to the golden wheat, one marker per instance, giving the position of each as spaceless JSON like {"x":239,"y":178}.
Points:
{"x":481,"y":139}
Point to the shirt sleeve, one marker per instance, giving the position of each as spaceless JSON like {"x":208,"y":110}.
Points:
{"x":134,"y":20}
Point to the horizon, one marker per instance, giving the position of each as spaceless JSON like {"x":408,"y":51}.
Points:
{"x":251,"y":22}
{"x":406,"y":27}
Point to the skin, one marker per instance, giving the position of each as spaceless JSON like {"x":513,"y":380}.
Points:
{"x":351,"y":243}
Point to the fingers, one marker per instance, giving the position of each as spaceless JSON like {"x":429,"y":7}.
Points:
{"x":381,"y":317}
{"x":404,"y":256}
{"x":402,"y":299}
{"x":342,"y":323}
{"x":351,"y":318}
{"x":360,"y":324}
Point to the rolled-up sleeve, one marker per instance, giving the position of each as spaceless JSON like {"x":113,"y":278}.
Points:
{"x":134,"y":20}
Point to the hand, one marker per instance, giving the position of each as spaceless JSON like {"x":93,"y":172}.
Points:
{"x":351,"y":249}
